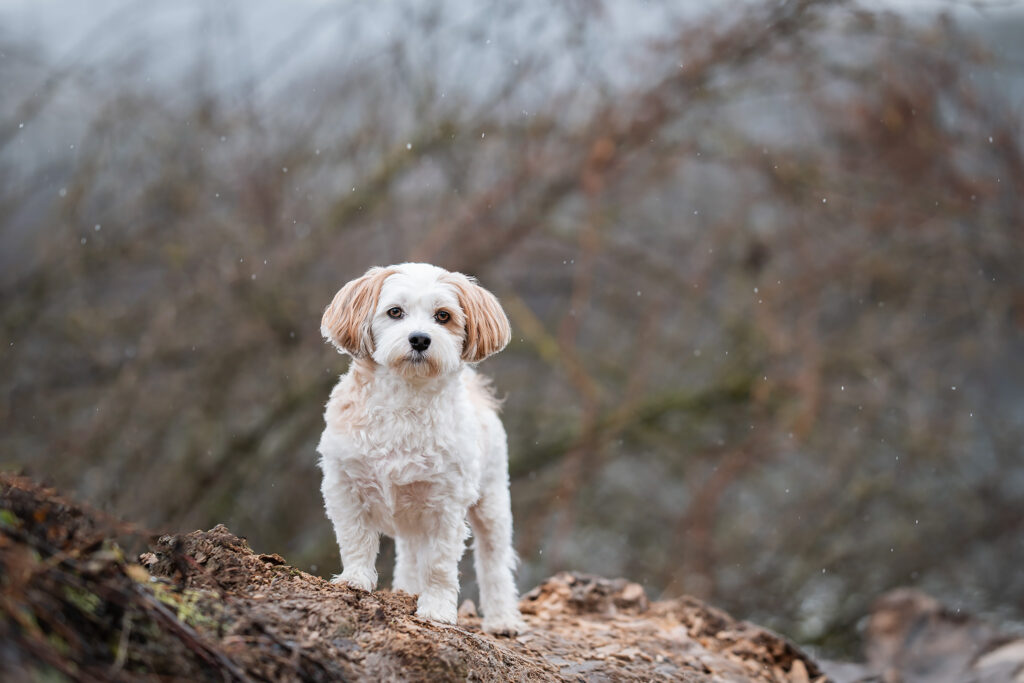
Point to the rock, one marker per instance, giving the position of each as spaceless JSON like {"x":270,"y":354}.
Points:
{"x":911,"y":637}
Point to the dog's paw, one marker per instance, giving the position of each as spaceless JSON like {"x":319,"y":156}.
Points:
{"x":363,"y":581}
{"x":437,"y":609}
{"x":504,"y":624}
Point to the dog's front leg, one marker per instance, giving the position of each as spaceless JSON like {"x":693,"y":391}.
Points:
{"x":357,"y":539}
{"x":359,"y":547}
{"x":439,"y":567}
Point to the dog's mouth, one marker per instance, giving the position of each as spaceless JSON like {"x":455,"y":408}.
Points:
{"x":419,"y":364}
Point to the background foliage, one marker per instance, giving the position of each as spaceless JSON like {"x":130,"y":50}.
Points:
{"x":763,"y":267}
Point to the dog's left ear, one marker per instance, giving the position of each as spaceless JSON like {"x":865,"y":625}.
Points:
{"x":487,"y":327}
{"x":346,"y":321}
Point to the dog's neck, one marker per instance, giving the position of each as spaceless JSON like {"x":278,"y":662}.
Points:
{"x":382,"y":384}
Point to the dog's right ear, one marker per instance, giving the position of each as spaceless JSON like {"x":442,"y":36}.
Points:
{"x":346,"y":322}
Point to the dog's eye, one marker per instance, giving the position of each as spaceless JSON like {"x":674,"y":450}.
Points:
{"x":442,"y":317}
{"x":395,"y":312}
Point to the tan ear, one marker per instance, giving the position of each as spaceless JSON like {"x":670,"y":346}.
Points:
{"x":346,"y":321}
{"x":487,"y":327}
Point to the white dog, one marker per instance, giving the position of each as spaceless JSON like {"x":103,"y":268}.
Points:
{"x":413,"y":444}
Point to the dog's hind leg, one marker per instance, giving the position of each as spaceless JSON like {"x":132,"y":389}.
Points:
{"x":495,"y":559}
{"x":407,"y":576}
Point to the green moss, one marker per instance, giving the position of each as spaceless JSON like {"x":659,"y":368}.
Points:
{"x":9,"y":520}
{"x":46,"y":674}
{"x":59,"y":644}
{"x":82,"y":599}
{"x":188,"y":606}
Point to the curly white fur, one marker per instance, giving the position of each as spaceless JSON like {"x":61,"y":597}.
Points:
{"x":413,"y":444}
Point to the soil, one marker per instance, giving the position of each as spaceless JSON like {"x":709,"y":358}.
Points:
{"x":204,"y":606}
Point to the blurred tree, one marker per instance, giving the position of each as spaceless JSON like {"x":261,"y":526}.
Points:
{"x":763,"y":270}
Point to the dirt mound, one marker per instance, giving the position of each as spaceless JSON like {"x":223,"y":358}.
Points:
{"x":606,"y":630}
{"x":71,"y":604}
{"x":204,"y":606}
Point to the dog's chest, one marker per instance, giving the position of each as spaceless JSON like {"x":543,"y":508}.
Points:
{"x":409,"y":457}
{"x":407,"y":445}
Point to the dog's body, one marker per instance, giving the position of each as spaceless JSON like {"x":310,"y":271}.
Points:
{"x":413,"y":444}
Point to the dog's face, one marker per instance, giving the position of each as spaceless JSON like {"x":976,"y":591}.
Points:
{"x":419,"y":320}
{"x":418,"y":326}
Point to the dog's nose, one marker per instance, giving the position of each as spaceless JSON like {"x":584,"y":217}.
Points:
{"x":419,"y":341}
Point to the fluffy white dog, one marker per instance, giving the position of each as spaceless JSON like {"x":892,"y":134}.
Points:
{"x":413,"y":444}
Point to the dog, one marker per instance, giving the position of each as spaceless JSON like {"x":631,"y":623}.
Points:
{"x":413,"y":446}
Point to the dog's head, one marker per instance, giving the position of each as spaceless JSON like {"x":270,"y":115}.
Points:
{"x":420,"y":320}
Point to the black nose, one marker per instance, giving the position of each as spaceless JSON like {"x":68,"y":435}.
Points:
{"x":419,"y":341}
